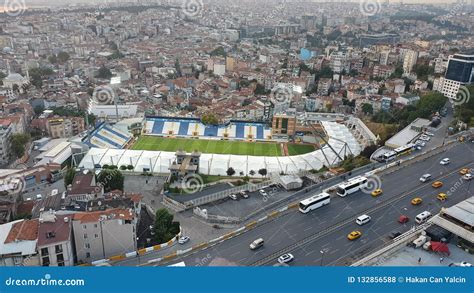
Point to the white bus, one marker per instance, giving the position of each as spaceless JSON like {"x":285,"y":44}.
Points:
{"x":314,"y":202}
{"x":353,"y":185}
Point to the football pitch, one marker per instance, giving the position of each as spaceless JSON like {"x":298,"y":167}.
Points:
{"x":271,"y":149}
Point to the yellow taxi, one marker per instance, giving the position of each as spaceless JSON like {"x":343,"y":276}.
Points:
{"x":442,"y":196}
{"x":377,"y":192}
{"x":416,"y":201}
{"x":464,"y":171}
{"x":354,"y":235}
{"x":437,"y":184}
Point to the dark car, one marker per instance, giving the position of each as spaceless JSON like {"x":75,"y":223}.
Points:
{"x":395,"y":234}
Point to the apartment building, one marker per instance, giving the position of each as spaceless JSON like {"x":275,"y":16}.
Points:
{"x":102,"y":234}
{"x":55,"y":240}
{"x":409,"y":61}
{"x":6,"y":131}
{"x":460,"y":72}
{"x":18,"y":240}
{"x":64,"y":127}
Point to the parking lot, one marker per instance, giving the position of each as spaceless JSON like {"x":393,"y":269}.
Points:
{"x":241,"y":207}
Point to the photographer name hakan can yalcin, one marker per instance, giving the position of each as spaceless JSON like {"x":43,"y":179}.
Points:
{"x":439,"y":280}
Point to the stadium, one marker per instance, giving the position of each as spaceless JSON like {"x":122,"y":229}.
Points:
{"x":244,"y":146}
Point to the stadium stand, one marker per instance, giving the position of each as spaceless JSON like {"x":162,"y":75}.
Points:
{"x":107,"y":136}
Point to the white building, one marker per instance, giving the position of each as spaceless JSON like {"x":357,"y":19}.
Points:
{"x":18,"y":240}
{"x":411,"y":56}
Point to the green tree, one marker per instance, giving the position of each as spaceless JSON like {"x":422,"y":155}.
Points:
{"x":104,"y":73}
{"x":219,"y":51}
{"x":262,"y":172}
{"x":110,"y":179}
{"x":165,"y":228}
{"x":2,"y":76}
{"x":230,"y":171}
{"x":18,"y":142}
{"x":209,"y":119}
{"x":367,"y":108}
{"x":63,"y":57}
{"x":260,"y":89}
{"x":69,"y":176}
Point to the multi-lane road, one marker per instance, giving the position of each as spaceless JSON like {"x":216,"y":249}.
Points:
{"x":320,"y":237}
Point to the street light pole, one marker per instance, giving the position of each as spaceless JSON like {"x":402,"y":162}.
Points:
{"x":322,"y":258}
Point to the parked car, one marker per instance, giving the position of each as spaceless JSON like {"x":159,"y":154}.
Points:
{"x":286,"y":258}
{"x":233,"y":196}
{"x":244,"y":194}
{"x":420,"y":143}
{"x":263,"y":192}
{"x":183,"y":239}
{"x":429,"y":133}
{"x":394,"y":234}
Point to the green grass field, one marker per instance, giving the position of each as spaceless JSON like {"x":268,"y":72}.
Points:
{"x":153,"y":143}
{"x":298,"y":149}
{"x":271,"y":149}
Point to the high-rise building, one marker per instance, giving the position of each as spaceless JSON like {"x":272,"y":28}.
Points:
{"x":460,"y":72}
{"x":411,"y":56}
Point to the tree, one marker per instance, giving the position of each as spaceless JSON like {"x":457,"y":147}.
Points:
{"x":2,"y":76}
{"x":165,"y":228}
{"x":230,"y":171}
{"x":367,"y":108}
{"x":69,"y":176}
{"x":104,"y":73}
{"x":63,"y":57}
{"x":260,"y":89}
{"x":209,"y":119}
{"x":18,"y":142}
{"x":252,"y":172}
{"x":110,"y":179}
{"x":262,"y":172}
{"x":219,"y":51}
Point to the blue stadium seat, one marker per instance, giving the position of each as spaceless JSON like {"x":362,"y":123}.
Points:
{"x":158,"y":127}
{"x":240,"y":130}
{"x":211,"y":130}
{"x":183,"y":128}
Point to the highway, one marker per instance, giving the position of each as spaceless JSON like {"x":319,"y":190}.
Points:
{"x":320,"y":237}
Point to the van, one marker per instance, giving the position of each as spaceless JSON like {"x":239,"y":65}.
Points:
{"x":39,"y":196}
{"x":364,"y":219}
{"x":256,"y":244}
{"x":423,"y":217}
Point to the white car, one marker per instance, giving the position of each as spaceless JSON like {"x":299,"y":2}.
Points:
{"x":425,"y":138}
{"x":286,"y":258}
{"x":420,"y":143}
{"x":183,"y":239}
{"x":39,"y":196}
{"x":426,"y":177}
{"x":429,"y":133}
{"x":465,"y":264}
{"x":233,"y":196}
{"x":263,"y":192}
{"x":445,"y":161}
{"x":467,"y":177}
{"x":244,"y":194}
